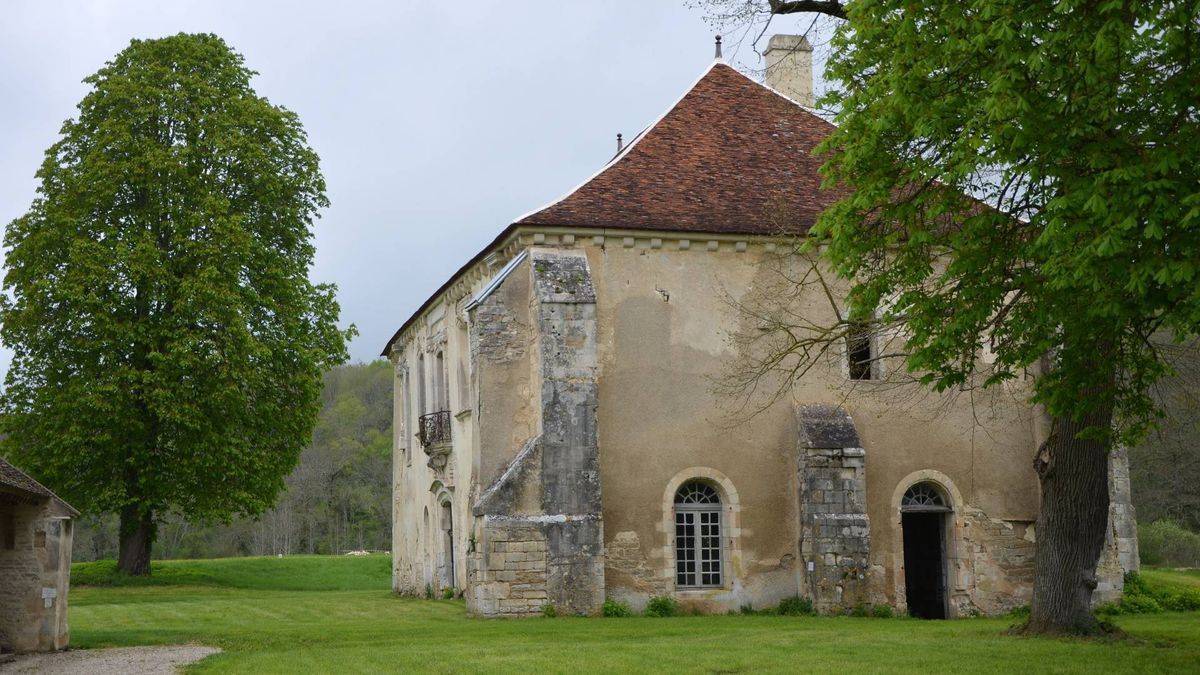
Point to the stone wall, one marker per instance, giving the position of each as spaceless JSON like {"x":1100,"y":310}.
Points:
{"x":992,"y":572}
{"x":507,"y":577}
{"x":34,"y":577}
{"x":1120,"y":553}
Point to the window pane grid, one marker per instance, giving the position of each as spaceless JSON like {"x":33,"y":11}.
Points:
{"x":698,"y":548}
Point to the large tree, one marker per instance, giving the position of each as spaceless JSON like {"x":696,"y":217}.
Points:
{"x":1022,"y":176}
{"x":168,"y":344}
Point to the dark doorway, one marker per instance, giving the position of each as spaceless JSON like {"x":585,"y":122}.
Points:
{"x":924,"y":564}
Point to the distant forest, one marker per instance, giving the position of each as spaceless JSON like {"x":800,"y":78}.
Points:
{"x":337,"y":499}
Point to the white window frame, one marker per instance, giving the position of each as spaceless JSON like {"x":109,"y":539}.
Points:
{"x":696,"y":513}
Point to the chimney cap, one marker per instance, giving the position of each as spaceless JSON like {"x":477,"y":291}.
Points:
{"x":788,"y":43}
{"x":718,"y":54}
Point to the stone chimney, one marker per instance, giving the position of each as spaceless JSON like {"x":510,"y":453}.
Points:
{"x":789,"y":67}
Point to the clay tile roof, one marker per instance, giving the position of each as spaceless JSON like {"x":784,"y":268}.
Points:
{"x":725,"y":159}
{"x":14,"y":479}
{"x":731,"y":157}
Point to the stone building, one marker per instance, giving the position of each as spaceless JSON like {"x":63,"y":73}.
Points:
{"x":558,"y":438}
{"x":35,"y":564}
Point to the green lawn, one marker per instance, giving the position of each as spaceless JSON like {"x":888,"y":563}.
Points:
{"x":270,"y":615}
{"x":1175,"y":579}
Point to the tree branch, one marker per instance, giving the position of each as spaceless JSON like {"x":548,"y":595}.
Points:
{"x":829,"y":7}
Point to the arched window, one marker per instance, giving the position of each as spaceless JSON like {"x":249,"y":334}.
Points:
{"x":923,"y":497}
{"x":698,"y":546}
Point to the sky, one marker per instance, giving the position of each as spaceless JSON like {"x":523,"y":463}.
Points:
{"x":437,"y":123}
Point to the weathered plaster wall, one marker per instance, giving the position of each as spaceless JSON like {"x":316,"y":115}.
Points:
{"x":504,"y":344}
{"x":34,"y":579}
{"x":664,"y":312}
{"x":420,"y":561}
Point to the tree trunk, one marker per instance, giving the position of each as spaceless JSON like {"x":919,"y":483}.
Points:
{"x":1071,"y":525}
{"x":137,"y":535}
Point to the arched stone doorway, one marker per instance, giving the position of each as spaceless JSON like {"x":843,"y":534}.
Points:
{"x":924,"y":519}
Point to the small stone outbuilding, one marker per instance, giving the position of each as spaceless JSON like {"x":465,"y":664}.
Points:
{"x":35,"y":564}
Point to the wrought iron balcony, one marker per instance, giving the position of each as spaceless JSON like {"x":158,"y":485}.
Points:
{"x":434,"y":429}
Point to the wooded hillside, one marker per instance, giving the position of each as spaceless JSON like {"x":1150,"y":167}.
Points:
{"x":337,"y":499}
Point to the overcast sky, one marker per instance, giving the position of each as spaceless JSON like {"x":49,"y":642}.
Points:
{"x":437,"y":123}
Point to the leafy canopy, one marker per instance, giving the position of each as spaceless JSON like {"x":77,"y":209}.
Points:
{"x":1075,"y":126}
{"x":168,"y":342}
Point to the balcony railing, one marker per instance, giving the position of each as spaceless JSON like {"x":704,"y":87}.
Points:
{"x":434,"y":429}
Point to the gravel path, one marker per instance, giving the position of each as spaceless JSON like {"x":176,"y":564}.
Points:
{"x":131,"y":660}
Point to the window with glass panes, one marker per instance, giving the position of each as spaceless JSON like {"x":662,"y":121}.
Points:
{"x":697,"y":536}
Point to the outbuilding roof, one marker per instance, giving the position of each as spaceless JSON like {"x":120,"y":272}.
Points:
{"x":16,"y":480}
{"x":731,"y":156}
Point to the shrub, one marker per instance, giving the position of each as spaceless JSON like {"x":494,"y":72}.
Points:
{"x":663,"y":605}
{"x":447,"y":593}
{"x":1166,"y":542}
{"x":616,"y":609}
{"x":882,"y":612}
{"x":795,"y":606}
{"x":860,"y":610}
{"x":1142,"y":598}
{"x":747,"y":609}
{"x":1139,"y":604}
{"x":1182,"y":601}
{"x":549,"y":611}
{"x":1019,"y":612}
{"x":428,"y":591}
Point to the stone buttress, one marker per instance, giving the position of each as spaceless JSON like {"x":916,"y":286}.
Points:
{"x":835,"y":532}
{"x":538,"y":532}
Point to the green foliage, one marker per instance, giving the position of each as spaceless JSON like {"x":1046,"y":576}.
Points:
{"x":662,"y":606}
{"x":1023,"y":177}
{"x":549,"y":611}
{"x":883,"y":612}
{"x":447,"y":593}
{"x":1021,"y":613}
{"x":1141,"y":596}
{"x":860,"y":611}
{"x":167,"y":343}
{"x":337,"y":499}
{"x":795,"y":606}
{"x":616,"y":609}
{"x":1165,"y":542}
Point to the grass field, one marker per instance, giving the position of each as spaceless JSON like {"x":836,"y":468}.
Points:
{"x":273,"y":615}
